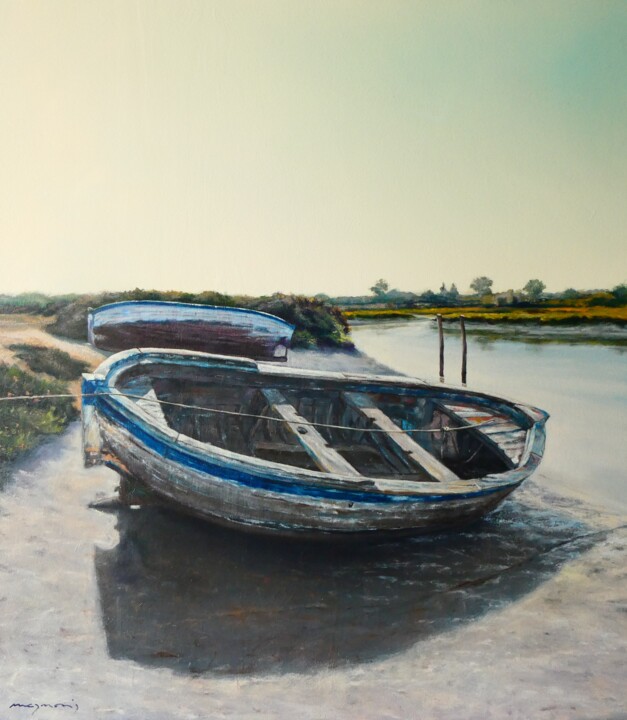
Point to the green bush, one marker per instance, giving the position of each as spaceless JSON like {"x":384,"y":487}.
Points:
{"x":600,"y":299}
{"x":34,"y":303}
{"x":24,"y":422}
{"x":317,"y":324}
{"x":620,"y":294}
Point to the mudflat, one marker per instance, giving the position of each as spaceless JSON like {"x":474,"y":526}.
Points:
{"x":146,"y":613}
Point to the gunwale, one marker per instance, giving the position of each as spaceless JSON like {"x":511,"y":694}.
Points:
{"x":288,"y":479}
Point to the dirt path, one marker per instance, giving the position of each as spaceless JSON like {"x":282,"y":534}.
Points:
{"x":31,"y":330}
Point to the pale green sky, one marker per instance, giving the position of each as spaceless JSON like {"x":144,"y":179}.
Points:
{"x":311,"y":146}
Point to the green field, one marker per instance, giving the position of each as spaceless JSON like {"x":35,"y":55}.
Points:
{"x":553,"y":315}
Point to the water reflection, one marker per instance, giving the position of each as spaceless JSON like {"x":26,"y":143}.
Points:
{"x":182,"y":594}
{"x":582,"y":385}
{"x":485,"y":342}
{"x":485,"y":335}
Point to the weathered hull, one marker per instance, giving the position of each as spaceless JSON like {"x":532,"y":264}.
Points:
{"x":203,"y":328}
{"x":246,"y":493}
{"x":209,"y":493}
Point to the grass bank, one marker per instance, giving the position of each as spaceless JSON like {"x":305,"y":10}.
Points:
{"x":24,"y":422}
{"x":32,"y":364}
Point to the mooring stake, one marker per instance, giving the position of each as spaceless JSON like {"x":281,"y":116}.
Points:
{"x":462,"y":322}
{"x":441,"y":334}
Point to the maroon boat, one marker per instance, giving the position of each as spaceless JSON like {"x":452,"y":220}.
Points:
{"x":205,"y":328}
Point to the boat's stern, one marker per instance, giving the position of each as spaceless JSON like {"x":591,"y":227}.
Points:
{"x":536,"y":436}
{"x":91,"y":337}
{"x":92,"y":440}
{"x":280,"y":349}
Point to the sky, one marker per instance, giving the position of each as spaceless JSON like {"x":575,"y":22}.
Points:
{"x":311,"y":147}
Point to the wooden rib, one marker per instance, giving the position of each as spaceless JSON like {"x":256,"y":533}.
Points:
{"x":325,"y":457}
{"x":366,"y":407}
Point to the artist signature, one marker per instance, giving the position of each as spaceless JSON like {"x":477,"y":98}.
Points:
{"x":73,"y":705}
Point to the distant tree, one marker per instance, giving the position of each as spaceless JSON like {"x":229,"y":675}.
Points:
{"x":620,"y":293}
{"x":534,"y":289}
{"x":571,"y":294}
{"x":482,"y":285}
{"x":429,"y":297}
{"x":380,"y":288}
{"x":443,"y":290}
{"x":453,"y":293}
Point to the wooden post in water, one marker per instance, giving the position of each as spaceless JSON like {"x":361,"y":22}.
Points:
{"x":441,"y":336}
{"x":462,"y":322}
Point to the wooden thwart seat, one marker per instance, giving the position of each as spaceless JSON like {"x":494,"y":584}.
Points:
{"x":325,"y":457}
{"x":500,"y":433}
{"x":367,"y":407}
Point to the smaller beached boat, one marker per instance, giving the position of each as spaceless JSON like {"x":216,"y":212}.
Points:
{"x":278,"y":449}
{"x":207,"y":328}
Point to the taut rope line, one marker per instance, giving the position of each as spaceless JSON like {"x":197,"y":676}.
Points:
{"x":444,"y":428}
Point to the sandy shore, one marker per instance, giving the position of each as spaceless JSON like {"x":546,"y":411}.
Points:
{"x":31,"y":329}
{"x":502,"y":629}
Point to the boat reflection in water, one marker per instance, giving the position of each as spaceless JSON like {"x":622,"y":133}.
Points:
{"x":179,"y":593}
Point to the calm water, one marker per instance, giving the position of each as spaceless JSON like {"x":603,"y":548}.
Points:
{"x":583,"y":387}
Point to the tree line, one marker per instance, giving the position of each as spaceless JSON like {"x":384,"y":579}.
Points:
{"x":481,"y":291}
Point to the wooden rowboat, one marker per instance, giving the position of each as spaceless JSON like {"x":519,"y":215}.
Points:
{"x":278,"y":449}
{"x":207,"y":328}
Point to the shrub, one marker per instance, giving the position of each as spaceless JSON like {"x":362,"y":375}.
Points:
{"x":620,"y":294}
{"x":23,"y":422}
{"x":600,"y":299}
{"x":33,"y":303}
{"x":51,"y":361}
{"x":316,"y":322}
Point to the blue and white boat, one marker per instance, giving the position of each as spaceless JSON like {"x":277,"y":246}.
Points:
{"x":207,"y":328}
{"x":266,"y":447}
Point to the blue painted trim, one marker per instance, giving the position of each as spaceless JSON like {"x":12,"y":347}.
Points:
{"x":129,"y":358}
{"x":436,"y":393}
{"x":167,"y":303}
{"x":89,"y":386}
{"x":110,"y":408}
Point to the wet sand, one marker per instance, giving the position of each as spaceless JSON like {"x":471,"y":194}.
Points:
{"x":148,"y":614}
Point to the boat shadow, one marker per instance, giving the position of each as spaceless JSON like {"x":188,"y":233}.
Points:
{"x":179,"y":593}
